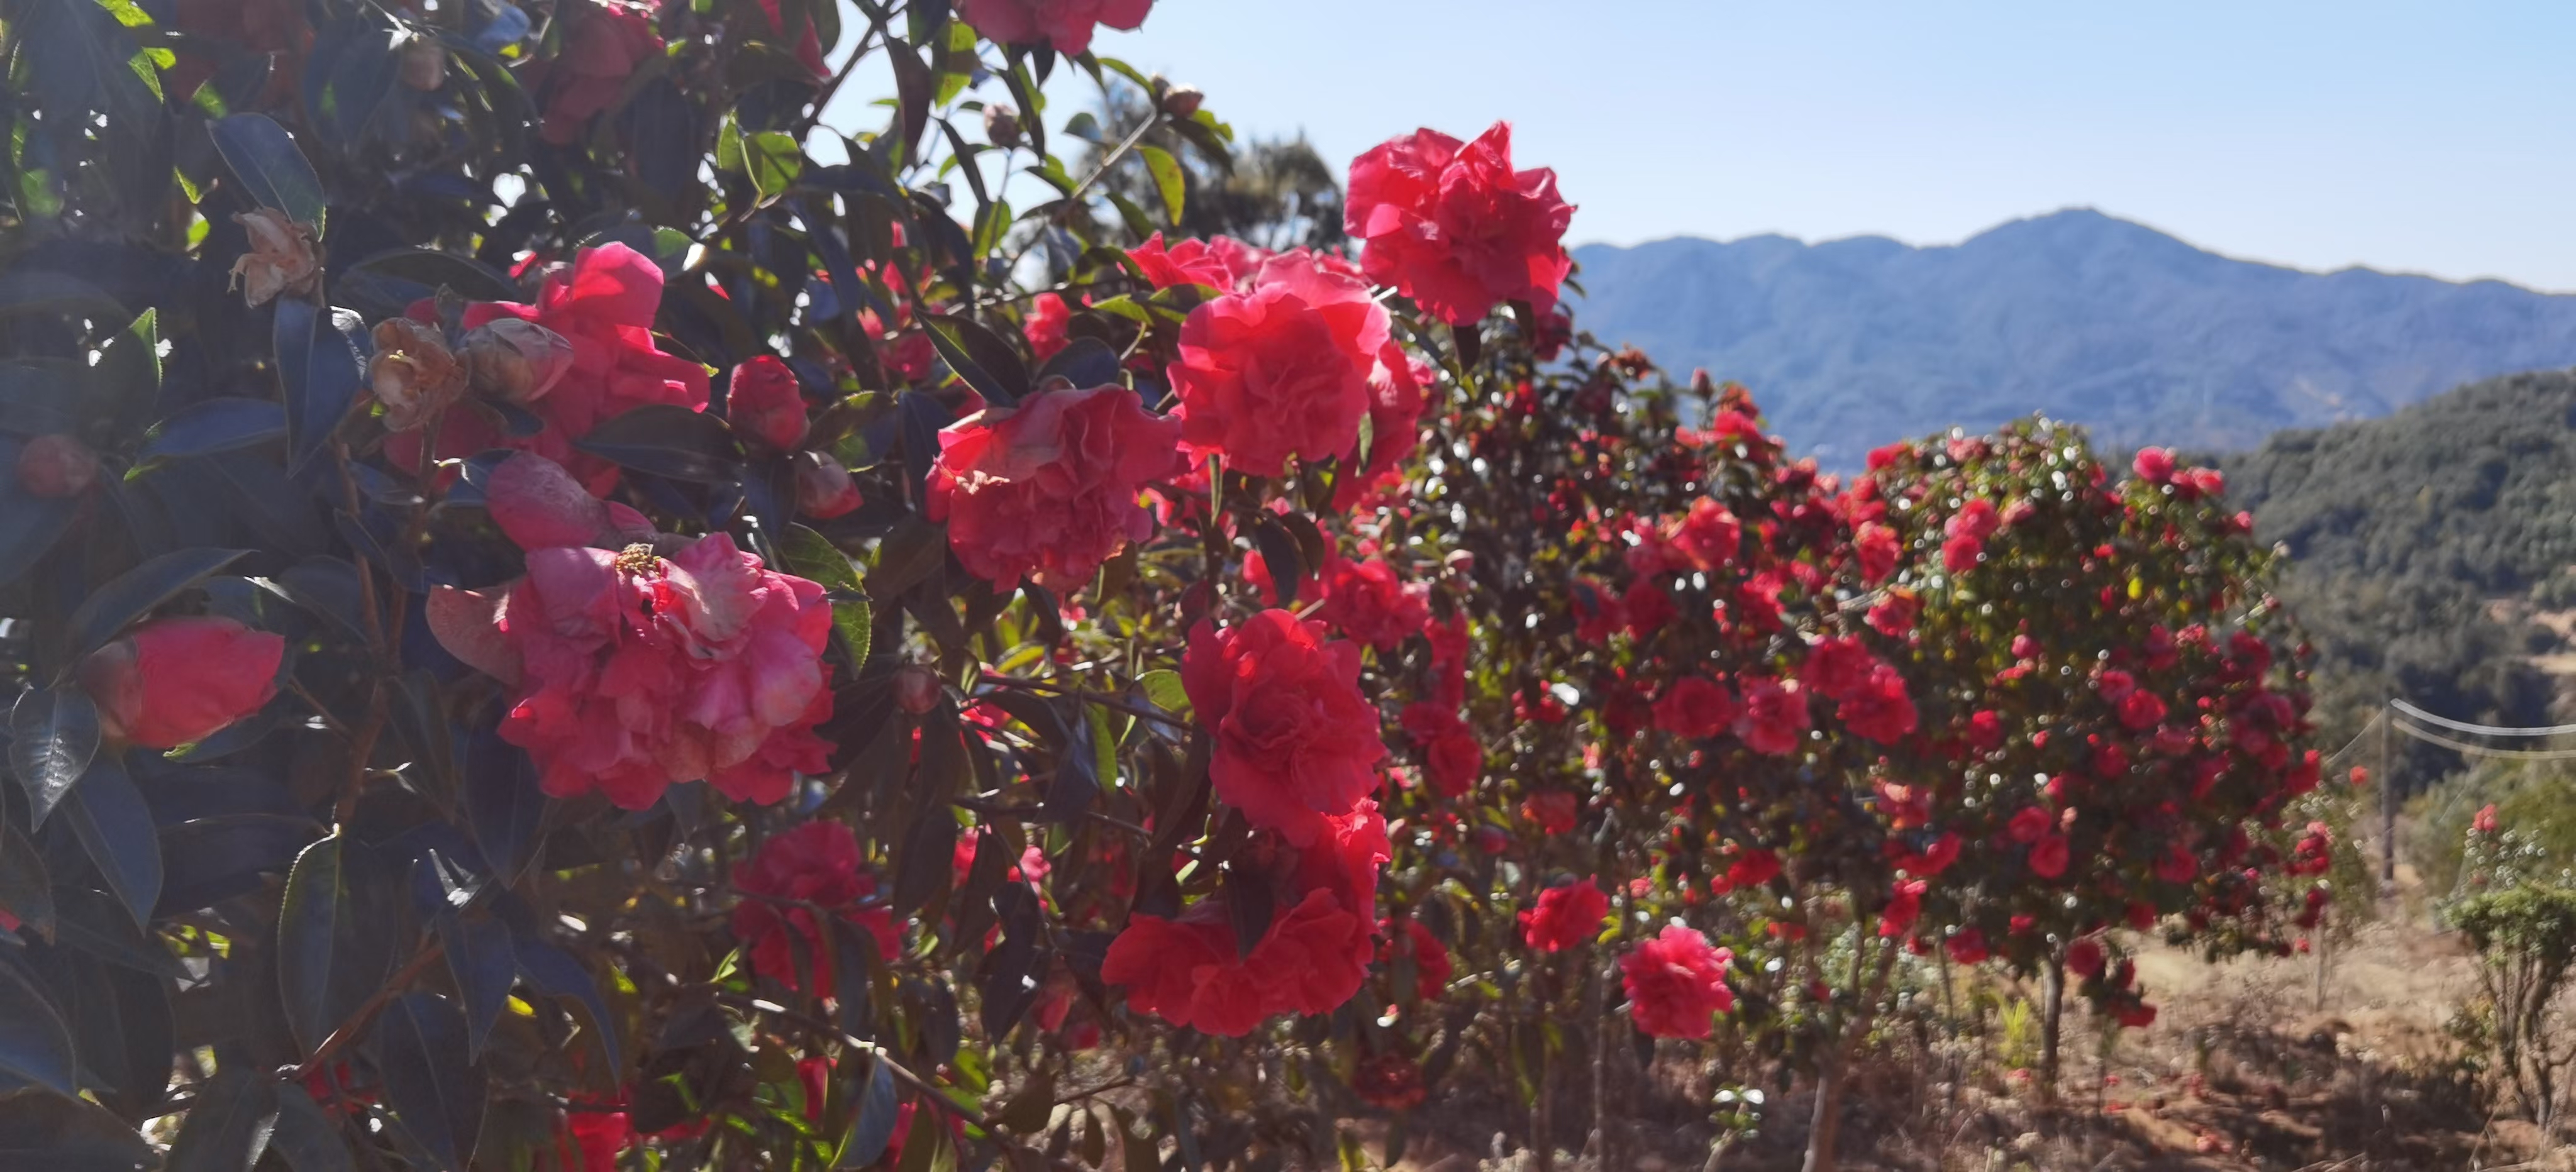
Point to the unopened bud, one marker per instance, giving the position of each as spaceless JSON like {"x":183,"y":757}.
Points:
{"x":56,"y":466}
{"x":1182,"y":101}
{"x":916,"y":689}
{"x":824,"y":489}
{"x":424,"y":64}
{"x":516,"y":361}
{"x":414,"y":374}
{"x":1002,"y":125}
{"x":280,"y":259}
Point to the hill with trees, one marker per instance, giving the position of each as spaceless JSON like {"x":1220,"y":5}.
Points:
{"x":2077,"y":315}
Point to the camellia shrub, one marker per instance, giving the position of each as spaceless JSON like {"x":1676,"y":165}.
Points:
{"x":563,"y":615}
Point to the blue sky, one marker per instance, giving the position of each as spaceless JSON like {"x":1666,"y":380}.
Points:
{"x":2418,"y":138}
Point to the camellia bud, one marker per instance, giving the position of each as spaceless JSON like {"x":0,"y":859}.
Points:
{"x":424,"y":64}
{"x":824,"y":489}
{"x":280,"y":259}
{"x":1002,"y":125}
{"x":414,"y":374}
{"x":516,"y":361}
{"x":56,"y":466}
{"x":763,"y":401}
{"x":1182,"y":101}
{"x":177,"y":681}
{"x":916,"y":689}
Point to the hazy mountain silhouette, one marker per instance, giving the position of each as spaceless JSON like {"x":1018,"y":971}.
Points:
{"x":1852,"y":343}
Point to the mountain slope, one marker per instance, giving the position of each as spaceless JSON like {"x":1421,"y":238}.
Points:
{"x":1853,"y":343}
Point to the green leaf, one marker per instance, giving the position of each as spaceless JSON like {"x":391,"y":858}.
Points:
{"x":856,"y":621}
{"x":774,"y":160}
{"x":35,"y":1044}
{"x":872,"y":1126}
{"x":53,"y":735}
{"x":220,"y":424}
{"x":430,"y":1080}
{"x":134,"y":594}
{"x":1163,"y":687}
{"x":229,"y":1125}
{"x":308,"y":1139}
{"x":979,"y":356}
{"x":812,"y":556}
{"x":315,"y":924}
{"x":271,"y":169}
{"x":40,"y":1130}
{"x":1167,"y":180}
{"x":108,"y":814}
{"x":25,"y":890}
{"x":669,"y":440}
{"x":321,"y":370}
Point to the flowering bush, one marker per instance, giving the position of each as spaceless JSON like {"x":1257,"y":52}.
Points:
{"x":555,"y":608}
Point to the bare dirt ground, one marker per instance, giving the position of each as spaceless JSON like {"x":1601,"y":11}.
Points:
{"x":2250,"y":1066}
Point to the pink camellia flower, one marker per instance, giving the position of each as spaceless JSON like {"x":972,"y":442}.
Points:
{"x":2486,"y":820}
{"x":1051,"y":488}
{"x":1190,"y":262}
{"x":1676,"y":982}
{"x":1282,"y":369}
{"x":604,"y":40}
{"x":1837,"y":668}
{"x":176,"y":681}
{"x":538,"y":505}
{"x":1452,"y":225}
{"x":824,"y":489}
{"x":1369,"y":603}
{"x":1775,"y":715}
{"x":1065,"y":24}
{"x":2154,"y":465}
{"x":601,"y":307}
{"x":1879,"y":709}
{"x":1045,"y":328}
{"x":1695,"y":707}
{"x":1565,"y":917}
{"x":1314,"y":957}
{"x":1295,"y":740}
{"x":763,"y":401}
{"x":1396,"y":400}
{"x":817,"y":863}
{"x":1875,"y":545}
{"x":1706,"y":537}
{"x":636,"y":671}
{"x":52,"y":467}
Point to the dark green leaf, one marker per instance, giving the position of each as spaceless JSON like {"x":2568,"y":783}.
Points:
{"x":872,"y":1125}
{"x":432,"y":270}
{"x":53,"y":734}
{"x":317,"y":949}
{"x":1279,"y":555}
{"x":209,"y":860}
{"x":321,"y":369}
{"x":41,"y":1131}
{"x":35,"y":1043}
{"x":1084,"y":362}
{"x":91,"y":921}
{"x":134,"y":593}
{"x":1248,"y":908}
{"x":307,"y":1138}
{"x":923,"y":419}
{"x":502,"y":802}
{"x":914,"y":551}
{"x":228,"y":1127}
{"x":810,"y":555}
{"x":214,"y":425}
{"x":84,"y":61}
{"x":113,"y":824}
{"x":479,"y":957}
{"x":270,"y":168}
{"x":25,"y":890}
{"x":554,"y":972}
{"x":669,"y":440}
{"x":431,"y":1081}
{"x":981,"y":357}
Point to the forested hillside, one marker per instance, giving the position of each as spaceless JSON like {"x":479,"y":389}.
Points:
{"x":2422,"y":541}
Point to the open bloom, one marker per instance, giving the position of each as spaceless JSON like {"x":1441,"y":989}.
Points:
{"x":176,"y":681}
{"x":1065,"y":24}
{"x":1052,"y":487}
{"x":817,"y":863}
{"x":637,"y":671}
{"x":1311,"y":959}
{"x":1295,"y":740}
{"x":603,"y":42}
{"x":1369,"y":603}
{"x":1696,"y":707}
{"x":1676,"y":982}
{"x":1452,"y":225}
{"x":1281,"y":370}
{"x":1565,"y":917}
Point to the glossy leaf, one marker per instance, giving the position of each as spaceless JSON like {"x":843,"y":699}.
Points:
{"x":270,"y":167}
{"x":321,"y":976}
{"x":135,"y":593}
{"x":1168,"y":181}
{"x":981,"y":357}
{"x":39,"y":1130}
{"x":53,"y":736}
{"x":668,"y":440}
{"x":1084,"y":362}
{"x":321,"y":370}
{"x":228,"y":1126}
{"x":307,"y":1138}
{"x":431,"y":1081}
{"x":872,"y":1125}
{"x":26,"y":892}
{"x":484,"y":967}
{"x":214,"y":425}
{"x":35,"y":1042}
{"x":113,"y":824}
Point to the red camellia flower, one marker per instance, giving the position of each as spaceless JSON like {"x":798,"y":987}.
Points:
{"x":1048,"y":319}
{"x":2154,"y":465}
{"x":1193,"y":262}
{"x":2141,"y":710}
{"x":1367,"y":602}
{"x":1968,"y":946}
{"x":1676,"y":982}
{"x":1879,"y":709}
{"x":1837,"y":668}
{"x":1051,"y":488}
{"x":636,"y":671}
{"x":1065,"y":24}
{"x":1875,"y":545}
{"x":2028,"y":823}
{"x":762,"y":401}
{"x":1295,"y":740}
{"x":1455,"y":760}
{"x":2084,"y":958}
{"x":604,"y":40}
{"x":52,"y":467}
{"x":1754,"y":868}
{"x":2048,"y":856}
{"x":1431,"y":966}
{"x":1706,"y":537}
{"x":1280,"y":370}
{"x":1775,"y":715}
{"x":1553,"y":811}
{"x":1452,"y":225}
{"x":1893,"y":616}
{"x":1696,"y":707}
{"x":1904,"y":906}
{"x":176,"y":681}
{"x":1312,"y":959}
{"x":602,"y":306}
{"x":1390,"y":1082}
{"x":1395,"y":414}
{"x":816,"y":863}
{"x":824,"y":489}
{"x":1566,"y":917}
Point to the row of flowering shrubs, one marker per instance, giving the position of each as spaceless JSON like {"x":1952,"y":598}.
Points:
{"x":547,"y":621}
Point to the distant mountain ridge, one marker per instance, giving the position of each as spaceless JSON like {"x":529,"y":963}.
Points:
{"x":1848,"y":344}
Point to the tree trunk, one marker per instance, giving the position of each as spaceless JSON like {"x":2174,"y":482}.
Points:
{"x":1597,"y":1024}
{"x":1543,"y":1113}
{"x":2052,"y":1014}
{"x":1825,"y":1123}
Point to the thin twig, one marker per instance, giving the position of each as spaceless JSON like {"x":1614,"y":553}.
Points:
{"x":357,"y":1022}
